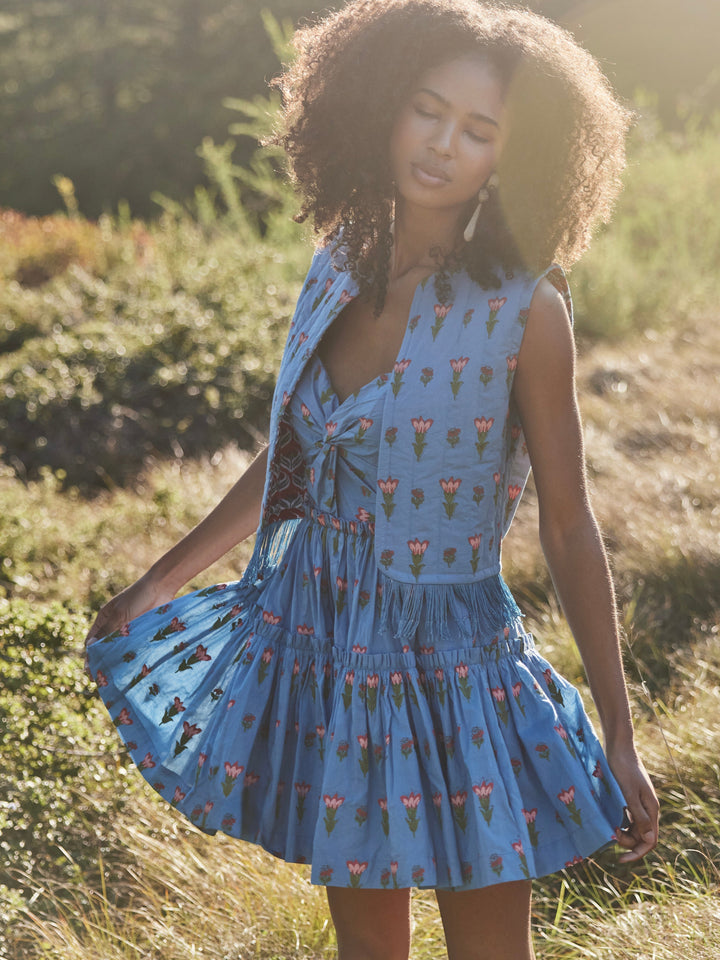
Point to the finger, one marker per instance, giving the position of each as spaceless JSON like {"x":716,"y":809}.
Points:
{"x":643,"y":848}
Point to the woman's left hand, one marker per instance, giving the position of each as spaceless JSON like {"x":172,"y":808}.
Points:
{"x":642,"y":834}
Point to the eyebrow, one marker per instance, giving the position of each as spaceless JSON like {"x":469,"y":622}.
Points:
{"x":446,"y":103}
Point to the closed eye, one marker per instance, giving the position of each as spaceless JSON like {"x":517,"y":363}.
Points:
{"x":425,"y":113}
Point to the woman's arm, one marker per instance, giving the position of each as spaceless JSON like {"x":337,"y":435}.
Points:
{"x":231,"y":521}
{"x":544,"y":390}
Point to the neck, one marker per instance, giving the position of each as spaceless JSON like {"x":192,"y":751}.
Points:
{"x":421,"y":234}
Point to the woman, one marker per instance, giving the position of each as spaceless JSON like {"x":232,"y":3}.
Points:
{"x":366,"y":697}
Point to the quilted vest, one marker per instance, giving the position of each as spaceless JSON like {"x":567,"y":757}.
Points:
{"x":452,"y":463}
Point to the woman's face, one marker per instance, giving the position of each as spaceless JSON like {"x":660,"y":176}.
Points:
{"x":446,"y":140}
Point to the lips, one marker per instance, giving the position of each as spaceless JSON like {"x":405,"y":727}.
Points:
{"x":431,"y":170}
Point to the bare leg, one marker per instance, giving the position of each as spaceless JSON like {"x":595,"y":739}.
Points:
{"x":492,"y":923}
{"x":371,"y":924}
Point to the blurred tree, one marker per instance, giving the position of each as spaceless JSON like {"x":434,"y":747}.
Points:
{"x":117,"y":94}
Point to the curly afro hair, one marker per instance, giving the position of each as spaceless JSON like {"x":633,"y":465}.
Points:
{"x":560,"y":166}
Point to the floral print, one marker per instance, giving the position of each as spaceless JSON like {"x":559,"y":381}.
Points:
{"x":283,"y":710}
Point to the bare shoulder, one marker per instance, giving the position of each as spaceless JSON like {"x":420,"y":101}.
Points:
{"x":548,"y":338}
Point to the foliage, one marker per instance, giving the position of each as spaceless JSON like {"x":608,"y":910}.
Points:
{"x":656,"y":262}
{"x":57,"y":745}
{"x":172,"y":352}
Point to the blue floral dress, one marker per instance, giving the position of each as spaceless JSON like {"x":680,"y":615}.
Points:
{"x":282,"y":712}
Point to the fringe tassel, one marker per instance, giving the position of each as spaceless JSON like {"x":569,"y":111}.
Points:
{"x":270,"y":546}
{"x":405,"y":605}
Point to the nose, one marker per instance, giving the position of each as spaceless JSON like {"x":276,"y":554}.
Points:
{"x":443,"y":140}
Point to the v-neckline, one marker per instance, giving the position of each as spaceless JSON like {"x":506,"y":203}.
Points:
{"x":356,"y":394}
{"x":419,"y":289}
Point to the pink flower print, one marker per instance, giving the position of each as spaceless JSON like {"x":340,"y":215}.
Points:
{"x":342,"y":749}
{"x":461,"y":670}
{"x":227,"y":821}
{"x":232,"y":772}
{"x":457,"y":802}
{"x":347,"y":692}
{"x":302,"y":789}
{"x":516,"y":689}
{"x":483,"y":425}
{"x":326,"y":874}
{"x":345,"y":297}
{"x":496,"y":863}
{"x":190,"y":730}
{"x":437,"y":803}
{"x":516,"y":765}
{"x":391,"y":435}
{"x":496,"y":304}
{"x":417,"y":497}
{"x":530,"y":817}
{"x":388,"y":488}
{"x":364,"y":425}
{"x":175,"y":626}
{"x":560,"y":729}
{"x":332,"y":805}
{"x":399,"y":368}
{"x":206,"y":810}
{"x":440,"y":685}
{"x":396,"y":684}
{"x":320,"y":731}
{"x":312,"y":475}
{"x":449,"y":488}
{"x":417,"y":549}
{"x":305,"y":411}
{"x":468,"y":316}
{"x":364,"y":598}
{"x":359,"y":648}
{"x":408,"y":746}
{"x":202,"y":757}
{"x":177,"y":797}
{"x":123,"y":719}
{"x":478,"y":494}
{"x":413,"y":322}
{"x":147,"y":762}
{"x":514,"y":491}
{"x":372,"y":691}
{"x":364,"y":760}
{"x":543,"y":751}
{"x":362,"y":515}
{"x":477,"y":737}
{"x":270,"y":617}
{"x":335,"y":523}
{"x":331,"y":427}
{"x":498,"y":484}
{"x":483,"y":792}
{"x":176,"y":707}
{"x":265,"y":660}
{"x":342,"y":586}
{"x":411,"y":802}
{"x":457,"y":368}
{"x":418,"y":874}
{"x":568,"y":798}
{"x":384,"y":817}
{"x":441,"y":311}
{"x":286,"y":398}
{"x":498,"y":695}
{"x":249,"y":719}
{"x":356,"y":870}
{"x":100,"y":679}
{"x":320,"y":297}
{"x":511,"y":368}
{"x":486,"y":375}
{"x":421,"y":427}
{"x":474,"y":542}
{"x":304,"y":630}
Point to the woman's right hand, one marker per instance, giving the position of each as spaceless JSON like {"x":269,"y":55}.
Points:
{"x":143,"y":595}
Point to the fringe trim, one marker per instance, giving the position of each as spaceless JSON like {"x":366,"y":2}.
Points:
{"x":405,"y":605}
{"x":271,"y":542}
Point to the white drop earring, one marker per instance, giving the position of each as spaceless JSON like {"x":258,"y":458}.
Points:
{"x":483,"y":194}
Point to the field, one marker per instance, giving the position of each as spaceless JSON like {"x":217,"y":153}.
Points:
{"x":136,"y":364}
